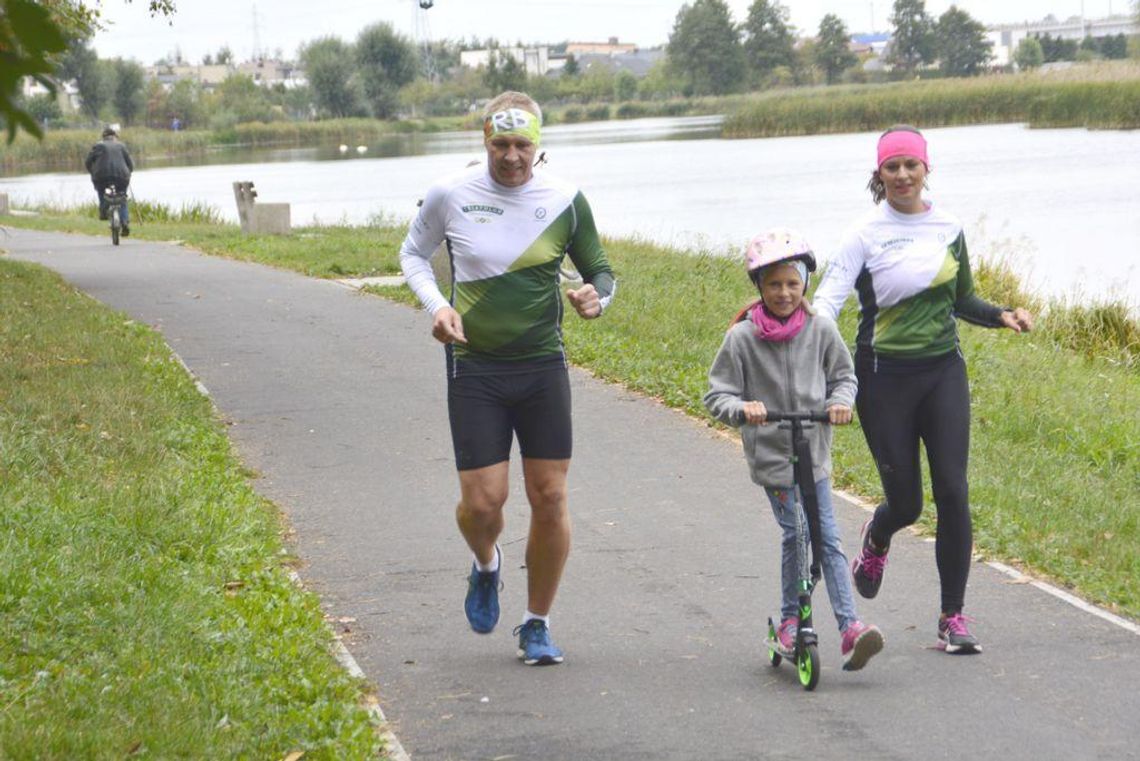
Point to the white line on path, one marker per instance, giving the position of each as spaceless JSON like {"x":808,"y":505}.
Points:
{"x":1023,"y":578}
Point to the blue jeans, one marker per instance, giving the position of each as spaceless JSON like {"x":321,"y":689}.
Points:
{"x":104,"y":207}
{"x":836,"y":574}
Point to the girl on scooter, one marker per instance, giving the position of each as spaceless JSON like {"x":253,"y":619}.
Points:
{"x":780,"y":354}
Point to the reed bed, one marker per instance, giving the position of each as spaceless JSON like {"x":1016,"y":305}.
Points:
{"x":1041,"y":102}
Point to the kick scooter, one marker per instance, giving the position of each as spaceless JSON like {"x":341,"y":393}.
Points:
{"x":806,"y":652}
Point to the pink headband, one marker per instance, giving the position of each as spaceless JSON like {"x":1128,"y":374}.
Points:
{"x":903,"y":143}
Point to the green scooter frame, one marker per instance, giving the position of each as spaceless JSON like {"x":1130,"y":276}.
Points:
{"x":806,"y":652}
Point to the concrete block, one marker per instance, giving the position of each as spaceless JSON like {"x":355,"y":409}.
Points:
{"x":4,"y":209}
{"x":260,"y":218}
{"x":269,"y":219}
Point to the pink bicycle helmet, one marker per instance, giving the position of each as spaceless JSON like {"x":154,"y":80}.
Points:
{"x":779,"y":244}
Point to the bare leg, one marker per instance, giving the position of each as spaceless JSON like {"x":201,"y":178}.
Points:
{"x":549,"y":542}
{"x":483,"y":492}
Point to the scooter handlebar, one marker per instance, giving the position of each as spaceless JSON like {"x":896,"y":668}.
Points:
{"x":819,"y":416}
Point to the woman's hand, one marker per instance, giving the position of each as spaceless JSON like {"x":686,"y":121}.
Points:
{"x":447,"y":327}
{"x":755,"y":413}
{"x":1018,"y":320}
{"x":840,"y":414}
{"x":585,"y":301}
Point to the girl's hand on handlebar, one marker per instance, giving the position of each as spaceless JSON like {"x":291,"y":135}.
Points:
{"x":839,"y":414}
{"x":755,"y":413}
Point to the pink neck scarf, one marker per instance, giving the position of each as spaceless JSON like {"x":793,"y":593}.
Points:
{"x":771,"y":328}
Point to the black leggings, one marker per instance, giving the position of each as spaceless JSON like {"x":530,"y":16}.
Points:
{"x":901,"y":402}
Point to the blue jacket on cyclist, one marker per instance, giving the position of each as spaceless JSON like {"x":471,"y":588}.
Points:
{"x":109,"y":164}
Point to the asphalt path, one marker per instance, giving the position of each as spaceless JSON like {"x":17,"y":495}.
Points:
{"x":336,"y":399}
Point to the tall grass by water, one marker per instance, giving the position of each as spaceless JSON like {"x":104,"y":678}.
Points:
{"x":146,"y":607}
{"x":1108,"y":98}
{"x":66,"y":149}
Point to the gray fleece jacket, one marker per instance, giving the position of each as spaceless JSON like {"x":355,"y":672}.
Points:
{"x":810,"y":372}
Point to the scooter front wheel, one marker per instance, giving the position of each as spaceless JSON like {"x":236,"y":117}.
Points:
{"x":807,"y":664}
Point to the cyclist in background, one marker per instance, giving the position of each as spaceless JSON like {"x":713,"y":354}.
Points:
{"x":109,"y":164}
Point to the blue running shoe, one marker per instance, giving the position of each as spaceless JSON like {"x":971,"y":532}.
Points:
{"x":535,"y":647}
{"x":482,"y":603}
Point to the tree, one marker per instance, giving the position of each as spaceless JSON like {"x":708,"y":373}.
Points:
{"x":833,"y":51}
{"x":331,"y":70}
{"x":44,"y":108}
{"x":769,"y":40}
{"x":128,"y":95}
{"x":625,"y":86}
{"x":571,"y":68}
{"x":94,"y":79}
{"x":912,"y":43}
{"x":1028,"y":54}
{"x":705,"y":50}
{"x":503,"y":72}
{"x":386,"y":61}
{"x":240,"y":99}
{"x":963,"y":50}
{"x":1056,"y":48}
{"x":33,"y":34}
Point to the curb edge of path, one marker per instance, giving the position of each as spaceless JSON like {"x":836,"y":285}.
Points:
{"x":394,"y":750}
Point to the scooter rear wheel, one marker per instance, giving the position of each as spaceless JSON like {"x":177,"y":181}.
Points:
{"x":807,"y":664}
{"x":115,"y":226}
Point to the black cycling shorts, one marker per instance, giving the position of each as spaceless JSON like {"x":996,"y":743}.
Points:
{"x":486,"y":410}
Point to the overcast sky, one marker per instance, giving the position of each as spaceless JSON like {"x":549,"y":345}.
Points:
{"x":203,"y":26}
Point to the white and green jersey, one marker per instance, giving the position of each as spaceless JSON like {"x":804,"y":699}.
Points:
{"x":912,"y":275}
{"x":506,"y":246}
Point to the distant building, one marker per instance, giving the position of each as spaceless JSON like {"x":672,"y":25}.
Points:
{"x":536,"y":60}
{"x":1006,"y":37}
{"x":264,"y":72}
{"x":268,"y":72}
{"x":609,"y":48}
{"x":206,"y":76}
{"x":874,"y":43}
{"x":638,"y":62}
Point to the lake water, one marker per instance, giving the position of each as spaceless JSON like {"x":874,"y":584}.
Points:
{"x":1064,"y":204}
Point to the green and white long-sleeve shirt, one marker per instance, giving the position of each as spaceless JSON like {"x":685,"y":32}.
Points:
{"x":506,"y":246}
{"x":912,"y":276}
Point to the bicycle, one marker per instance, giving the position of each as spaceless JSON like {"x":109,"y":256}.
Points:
{"x":115,"y":203}
{"x":806,"y":651}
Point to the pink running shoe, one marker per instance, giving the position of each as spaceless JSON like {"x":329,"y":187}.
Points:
{"x":867,"y":567}
{"x":860,"y":643}
{"x":954,"y":637}
{"x":786,"y":636}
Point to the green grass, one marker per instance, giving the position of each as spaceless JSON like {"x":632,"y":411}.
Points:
{"x":322,"y":251}
{"x":1055,"y":458}
{"x":145,"y":601}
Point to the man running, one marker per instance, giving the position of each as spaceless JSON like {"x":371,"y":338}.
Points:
{"x":507,"y":231}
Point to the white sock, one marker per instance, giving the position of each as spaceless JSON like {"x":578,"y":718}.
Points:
{"x":531,"y":616}
{"x":493,"y":565}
